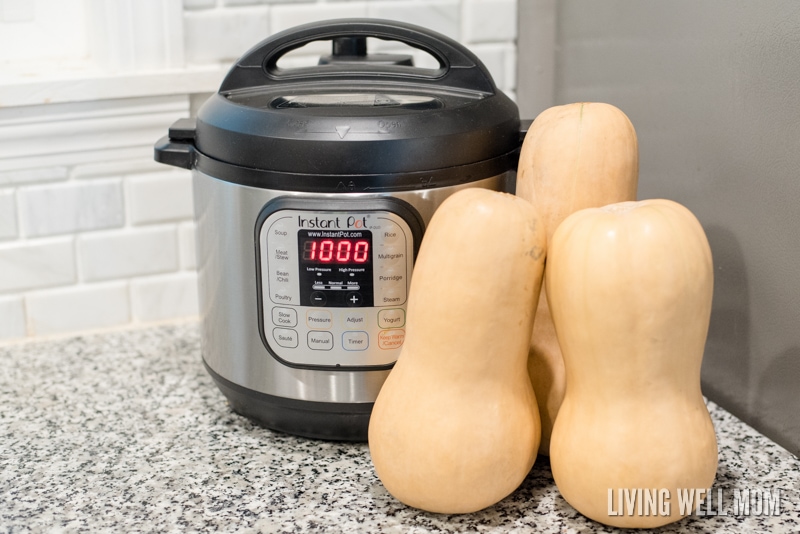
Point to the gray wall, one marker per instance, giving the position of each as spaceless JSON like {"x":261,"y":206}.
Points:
{"x":713,"y":89}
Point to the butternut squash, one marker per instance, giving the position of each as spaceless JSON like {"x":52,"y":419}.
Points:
{"x":630,"y":289}
{"x":575,"y":156}
{"x":455,"y":427}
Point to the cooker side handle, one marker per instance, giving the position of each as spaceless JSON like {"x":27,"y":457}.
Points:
{"x":177,"y":148}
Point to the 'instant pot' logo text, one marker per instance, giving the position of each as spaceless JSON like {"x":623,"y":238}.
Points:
{"x":332,"y":222}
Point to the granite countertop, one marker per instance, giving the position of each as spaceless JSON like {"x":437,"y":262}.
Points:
{"x":125,"y":431}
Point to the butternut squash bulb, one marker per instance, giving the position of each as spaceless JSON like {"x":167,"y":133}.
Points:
{"x":630,"y":289}
{"x":574,"y":156}
{"x":455,"y":427}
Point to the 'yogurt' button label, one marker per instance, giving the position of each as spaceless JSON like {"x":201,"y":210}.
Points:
{"x":393,"y":318}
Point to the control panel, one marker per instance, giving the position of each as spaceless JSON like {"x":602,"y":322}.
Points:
{"x":334,"y":282}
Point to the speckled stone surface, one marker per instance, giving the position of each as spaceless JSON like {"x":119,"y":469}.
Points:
{"x":126,"y":432}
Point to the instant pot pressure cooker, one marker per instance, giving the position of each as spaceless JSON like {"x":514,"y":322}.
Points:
{"x":312,"y":189}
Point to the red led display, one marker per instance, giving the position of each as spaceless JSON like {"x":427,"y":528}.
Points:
{"x":336,"y":250}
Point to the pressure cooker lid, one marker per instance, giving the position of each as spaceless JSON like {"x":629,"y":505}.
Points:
{"x":356,"y":113}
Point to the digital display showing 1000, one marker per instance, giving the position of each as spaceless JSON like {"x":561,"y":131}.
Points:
{"x":336,"y":250}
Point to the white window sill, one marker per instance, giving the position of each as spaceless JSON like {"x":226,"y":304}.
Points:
{"x":32,"y":85}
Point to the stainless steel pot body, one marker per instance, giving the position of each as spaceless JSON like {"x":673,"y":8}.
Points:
{"x":226,"y":215}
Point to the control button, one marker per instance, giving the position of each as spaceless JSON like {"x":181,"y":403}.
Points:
{"x":389,"y":256}
{"x":284,"y":317}
{"x":319,"y":319}
{"x":281,"y":275}
{"x":393,"y":318}
{"x":390,"y":234}
{"x":391,"y":339}
{"x":285,"y":337}
{"x":355,"y":340}
{"x":279,"y":230}
{"x":281,"y":294}
{"x":279,"y":252}
{"x":354,"y":319}
{"x":392,"y":276}
{"x":354,"y":299}
{"x":391,"y":296}
{"x":318,"y":298}
{"x":320,"y":340}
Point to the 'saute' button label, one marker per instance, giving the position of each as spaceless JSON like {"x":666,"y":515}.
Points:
{"x":285,"y":337}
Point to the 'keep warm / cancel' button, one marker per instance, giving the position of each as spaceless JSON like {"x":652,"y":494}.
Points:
{"x":391,"y":339}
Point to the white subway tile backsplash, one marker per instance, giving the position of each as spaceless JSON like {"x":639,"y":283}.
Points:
{"x":443,"y":16}
{"x":71,"y":207}
{"x":25,"y":176}
{"x":8,"y":214}
{"x":217,"y":35}
{"x":498,"y":58}
{"x":29,"y":165}
{"x":94,"y":232}
{"x":199,"y":4}
{"x":73,"y":128}
{"x":489,"y":21}
{"x":126,"y":253}
{"x":164,"y":297}
{"x":12,"y":318}
{"x":78,"y":308}
{"x":186,"y":247}
{"x":37,"y":263}
{"x":159,"y":197}
{"x":117,"y":167}
{"x":291,"y":15}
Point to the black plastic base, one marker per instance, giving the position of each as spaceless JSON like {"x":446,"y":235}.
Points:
{"x":319,"y":420}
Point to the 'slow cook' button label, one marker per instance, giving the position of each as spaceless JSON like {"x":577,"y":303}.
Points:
{"x":320,"y":340}
{"x":391,"y":339}
{"x":284,"y":317}
{"x":285,"y":337}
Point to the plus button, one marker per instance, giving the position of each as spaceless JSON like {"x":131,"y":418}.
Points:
{"x":354,"y":299}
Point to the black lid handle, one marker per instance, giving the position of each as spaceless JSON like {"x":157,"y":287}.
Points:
{"x":458,"y":67}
